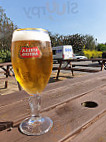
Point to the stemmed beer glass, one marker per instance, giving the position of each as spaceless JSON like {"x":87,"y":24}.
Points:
{"x":32,"y":64}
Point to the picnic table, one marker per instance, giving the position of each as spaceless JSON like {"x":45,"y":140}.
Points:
{"x":76,"y":106}
{"x":8,"y":72}
{"x":70,"y":66}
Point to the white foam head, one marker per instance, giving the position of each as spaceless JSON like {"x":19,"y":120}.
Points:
{"x":30,"y":34}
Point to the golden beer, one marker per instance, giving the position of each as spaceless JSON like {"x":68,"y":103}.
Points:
{"x":32,"y":72}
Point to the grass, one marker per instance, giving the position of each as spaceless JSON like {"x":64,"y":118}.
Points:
{"x":1,"y":61}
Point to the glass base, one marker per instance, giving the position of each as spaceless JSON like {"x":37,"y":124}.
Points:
{"x":36,"y":125}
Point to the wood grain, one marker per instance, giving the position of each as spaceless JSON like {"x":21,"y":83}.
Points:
{"x":5,"y":64}
{"x":89,"y":65}
{"x":50,"y":98}
{"x":61,"y":101}
{"x":68,"y":118}
{"x":91,"y":80}
{"x":95,"y":133}
{"x":77,"y":69}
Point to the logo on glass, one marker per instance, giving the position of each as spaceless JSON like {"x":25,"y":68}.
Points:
{"x":30,"y":52}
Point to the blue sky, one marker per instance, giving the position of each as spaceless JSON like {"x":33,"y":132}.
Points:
{"x":60,"y":16}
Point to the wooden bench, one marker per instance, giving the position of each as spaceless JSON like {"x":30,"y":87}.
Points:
{"x":76,"y":106}
{"x":8,"y":72}
{"x":69,"y":62}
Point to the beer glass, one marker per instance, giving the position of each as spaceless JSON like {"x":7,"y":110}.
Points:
{"x":32,"y":64}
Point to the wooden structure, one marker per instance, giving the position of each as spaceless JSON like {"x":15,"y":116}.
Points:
{"x":76,"y":106}
{"x":72,"y":69}
{"x":8,"y":72}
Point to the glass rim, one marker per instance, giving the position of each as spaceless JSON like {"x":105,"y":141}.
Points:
{"x":31,"y":29}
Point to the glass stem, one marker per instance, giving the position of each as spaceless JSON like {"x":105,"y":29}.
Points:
{"x":35,"y":105}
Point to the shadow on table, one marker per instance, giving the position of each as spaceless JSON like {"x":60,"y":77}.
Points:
{"x":2,"y":88}
{"x":53,"y":79}
{"x":5,"y":125}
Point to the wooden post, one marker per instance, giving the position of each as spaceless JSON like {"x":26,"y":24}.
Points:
{"x":59,"y":70}
{"x":7,"y":74}
{"x":19,"y":86}
{"x":102,"y":66}
{"x":71,"y":69}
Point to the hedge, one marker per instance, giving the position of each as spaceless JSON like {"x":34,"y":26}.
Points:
{"x":92,"y":54}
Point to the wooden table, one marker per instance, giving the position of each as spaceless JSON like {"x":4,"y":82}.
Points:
{"x":8,"y":72}
{"x":64,"y":102}
{"x":71,"y":68}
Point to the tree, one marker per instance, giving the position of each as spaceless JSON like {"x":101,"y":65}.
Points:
{"x":101,"y":47}
{"x":90,"y":43}
{"x":77,"y":41}
{"x":6,"y":29}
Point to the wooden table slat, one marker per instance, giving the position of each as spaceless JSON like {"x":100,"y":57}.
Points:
{"x":61,"y":101}
{"x":55,"y":97}
{"x":95,"y":133}
{"x":68,"y":118}
{"x":54,"y":89}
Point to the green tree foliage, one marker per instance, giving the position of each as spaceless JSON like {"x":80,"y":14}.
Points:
{"x":90,"y":42}
{"x":78,"y":42}
{"x":101,"y":47}
{"x":6,"y":29}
